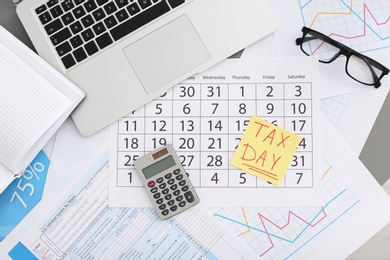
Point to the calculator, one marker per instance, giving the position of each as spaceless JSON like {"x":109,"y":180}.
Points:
{"x":166,"y":182}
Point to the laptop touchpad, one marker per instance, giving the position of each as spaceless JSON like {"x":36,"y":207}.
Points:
{"x":166,"y":53}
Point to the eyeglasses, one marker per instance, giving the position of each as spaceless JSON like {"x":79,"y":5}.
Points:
{"x":358,"y":66}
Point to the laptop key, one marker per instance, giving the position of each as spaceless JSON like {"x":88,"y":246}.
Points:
{"x":91,"y":48}
{"x":68,"y":61}
{"x":52,"y":3}
{"x":144,"y":3}
{"x":98,"y":14}
{"x":77,"y":2}
{"x":53,"y":26}
{"x":101,"y":2}
{"x":87,"y":21}
{"x":133,"y":9}
{"x":80,"y":54}
{"x":175,"y":3}
{"x":110,"y":8}
{"x":56,"y":11}
{"x":139,"y":20}
{"x":79,"y":12}
{"x":60,"y":36}
{"x":76,"y":41}
{"x":87,"y":35}
{"x":104,"y":40}
{"x":110,"y":22}
{"x":67,"y":18}
{"x":121,"y":15}
{"x":63,"y":49}
{"x":98,"y":28}
{"x":76,"y":27}
{"x":40,"y":9}
{"x":45,"y":18}
{"x":67,"y":5}
{"x":90,"y":5}
{"x":121,"y":3}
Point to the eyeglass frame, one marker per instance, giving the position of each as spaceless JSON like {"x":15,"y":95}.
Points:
{"x":347,"y":52}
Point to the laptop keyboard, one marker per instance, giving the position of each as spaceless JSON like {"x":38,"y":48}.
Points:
{"x":81,"y":28}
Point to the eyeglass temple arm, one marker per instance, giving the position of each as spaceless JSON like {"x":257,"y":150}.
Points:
{"x":299,"y":41}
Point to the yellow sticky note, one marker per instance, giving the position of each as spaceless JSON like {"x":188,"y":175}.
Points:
{"x":265,"y":150}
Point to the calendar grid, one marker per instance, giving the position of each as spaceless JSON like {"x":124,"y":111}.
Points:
{"x":212,"y":118}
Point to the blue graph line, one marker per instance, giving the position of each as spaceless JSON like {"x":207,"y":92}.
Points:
{"x":355,"y":14}
{"x":361,"y":19}
{"x":305,"y":228}
{"x":303,"y":6}
{"x":284,"y":239}
{"x":342,"y":214}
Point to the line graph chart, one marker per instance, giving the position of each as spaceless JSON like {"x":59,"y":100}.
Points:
{"x":334,"y":107}
{"x":278,"y":233}
{"x":362,"y":25}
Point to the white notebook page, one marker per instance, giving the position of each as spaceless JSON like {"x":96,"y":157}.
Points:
{"x":29,"y":105}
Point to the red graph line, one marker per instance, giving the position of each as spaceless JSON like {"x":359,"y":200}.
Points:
{"x":366,"y":9}
{"x":290,"y":213}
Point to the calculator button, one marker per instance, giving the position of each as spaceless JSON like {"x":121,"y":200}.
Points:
{"x":168,"y":175}
{"x":182,"y":204}
{"x":171,"y":203}
{"x":162,"y":185}
{"x":189,"y":196}
{"x":168,"y":197}
{"x":182,"y":183}
{"x":171,"y":181}
{"x":165,"y":212}
{"x":174,"y":187}
{"x":160,"y":180}
{"x":151,"y":184}
{"x":176,"y":172}
{"x":154,"y":190}
{"x":165,"y":192}
{"x":162,"y":207}
{"x":157,"y":195}
{"x":185,"y":188}
{"x":173,"y":208}
{"x":176,"y":192}
{"x":159,"y":201}
{"x":179,"y":177}
{"x":179,"y":198}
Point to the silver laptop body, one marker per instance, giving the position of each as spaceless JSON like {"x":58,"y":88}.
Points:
{"x":125,"y":66}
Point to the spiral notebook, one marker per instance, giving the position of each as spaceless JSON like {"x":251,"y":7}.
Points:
{"x":35,"y":100}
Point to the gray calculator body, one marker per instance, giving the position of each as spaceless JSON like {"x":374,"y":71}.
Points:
{"x":166,"y":182}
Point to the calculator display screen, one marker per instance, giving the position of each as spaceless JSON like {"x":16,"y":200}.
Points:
{"x":158,"y":167}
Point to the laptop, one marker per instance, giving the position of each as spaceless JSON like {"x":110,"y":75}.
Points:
{"x":124,"y":53}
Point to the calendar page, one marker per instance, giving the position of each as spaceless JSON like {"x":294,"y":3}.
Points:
{"x":205,"y":117}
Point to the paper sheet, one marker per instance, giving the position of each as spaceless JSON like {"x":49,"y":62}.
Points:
{"x":362,"y":25}
{"x":354,"y":207}
{"x":353,"y":115}
{"x":78,"y":225}
{"x":205,"y":117}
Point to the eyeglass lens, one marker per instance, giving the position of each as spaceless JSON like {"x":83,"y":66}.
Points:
{"x":361,"y":70}
{"x":323,"y":51}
